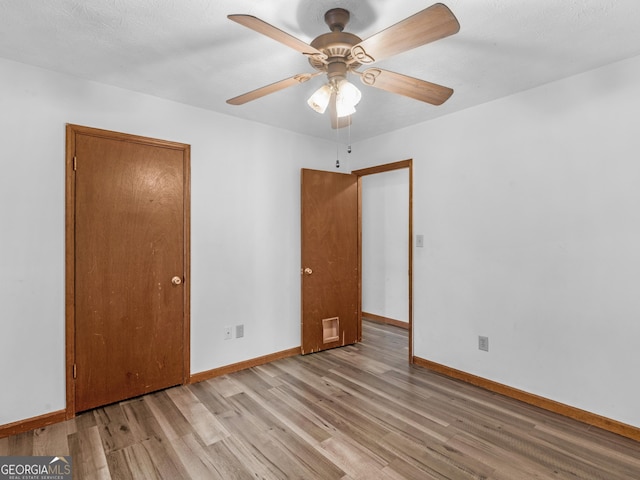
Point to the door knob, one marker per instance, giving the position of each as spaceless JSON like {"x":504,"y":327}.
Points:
{"x":176,"y":280}
{"x":308,"y":271}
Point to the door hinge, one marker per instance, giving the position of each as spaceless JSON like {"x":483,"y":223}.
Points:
{"x":74,"y":370}
{"x":75,"y":163}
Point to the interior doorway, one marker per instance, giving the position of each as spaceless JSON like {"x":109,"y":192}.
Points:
{"x":407,"y":292}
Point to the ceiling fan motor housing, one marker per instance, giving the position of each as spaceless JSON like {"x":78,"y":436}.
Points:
{"x":336,"y":45}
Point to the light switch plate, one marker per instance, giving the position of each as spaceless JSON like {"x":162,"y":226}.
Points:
{"x":419,"y":240}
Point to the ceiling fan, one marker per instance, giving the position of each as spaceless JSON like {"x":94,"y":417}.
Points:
{"x":338,"y":53}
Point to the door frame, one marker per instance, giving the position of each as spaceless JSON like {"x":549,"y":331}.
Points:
{"x":70,"y":267}
{"x":371,"y":171}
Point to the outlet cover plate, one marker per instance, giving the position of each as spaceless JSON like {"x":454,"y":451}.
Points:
{"x":483,"y":343}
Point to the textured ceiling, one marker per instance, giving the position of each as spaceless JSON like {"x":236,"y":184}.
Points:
{"x":188,"y":51}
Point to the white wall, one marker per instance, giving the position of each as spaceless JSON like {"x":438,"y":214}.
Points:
{"x":385,"y":244}
{"x":245,"y":226}
{"x":530,"y":207}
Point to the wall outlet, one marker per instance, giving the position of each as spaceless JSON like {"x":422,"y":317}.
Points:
{"x":483,"y":343}
{"x":239,"y":331}
{"x":227,"y":333}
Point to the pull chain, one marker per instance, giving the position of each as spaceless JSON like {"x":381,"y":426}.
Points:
{"x":337,"y":142}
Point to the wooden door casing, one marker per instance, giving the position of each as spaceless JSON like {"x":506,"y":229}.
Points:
{"x":130,"y":239}
{"x":408,"y":164}
{"x":330,"y":258}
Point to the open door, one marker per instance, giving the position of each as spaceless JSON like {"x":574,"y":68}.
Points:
{"x":330,"y":280}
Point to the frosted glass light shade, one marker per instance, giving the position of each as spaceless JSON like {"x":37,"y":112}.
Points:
{"x":320,"y":99}
{"x":347,"y":98}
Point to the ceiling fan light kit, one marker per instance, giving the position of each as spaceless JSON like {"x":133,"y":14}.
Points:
{"x":346,"y":94}
{"x":339,"y":53}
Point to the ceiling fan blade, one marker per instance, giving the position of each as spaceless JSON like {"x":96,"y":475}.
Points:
{"x":272,"y":88}
{"x":408,"y":86}
{"x":337,"y":122}
{"x":428,"y":25}
{"x":264,"y":28}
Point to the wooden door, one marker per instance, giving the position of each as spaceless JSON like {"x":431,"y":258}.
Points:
{"x":330,"y":259}
{"x":130,"y":266}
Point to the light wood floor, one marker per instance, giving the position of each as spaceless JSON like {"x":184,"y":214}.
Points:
{"x":359,"y":412}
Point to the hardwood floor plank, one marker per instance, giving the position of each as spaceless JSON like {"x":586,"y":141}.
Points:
{"x":170,"y":420}
{"x":195,"y":459}
{"x":435,"y":459}
{"x":206,"y":425}
{"x":118,"y":462}
{"x":587,"y":455}
{"x":400,"y":469}
{"x":265,"y":456}
{"x":305,"y":418}
{"x":340,"y":418}
{"x":357,"y":462}
{"x":88,"y":456}
{"x":252,"y":460}
{"x":360,"y":362}
{"x":20,"y":445}
{"x":164,"y":458}
{"x":225,"y":386}
{"x":227,"y":463}
{"x":52,"y":438}
{"x":280,"y":444}
{"x":141,"y":421}
{"x":395,"y":405}
{"x":495,"y":457}
{"x":277,"y":406}
{"x":114,"y":428}
{"x":315,"y":465}
{"x":548,"y":457}
{"x":208,"y":395}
